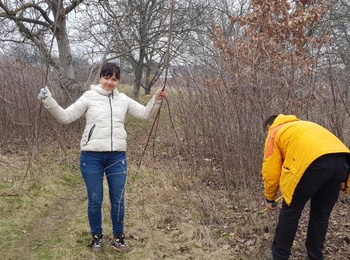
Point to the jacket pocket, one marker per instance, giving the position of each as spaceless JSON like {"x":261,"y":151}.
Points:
{"x":286,"y":171}
{"x":318,"y":165}
{"x":87,"y":135}
{"x":287,"y":177}
{"x":90,"y":132}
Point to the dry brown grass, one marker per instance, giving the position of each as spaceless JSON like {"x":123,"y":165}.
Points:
{"x":166,"y":217}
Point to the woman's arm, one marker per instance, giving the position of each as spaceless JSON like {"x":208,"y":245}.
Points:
{"x":68,"y":115}
{"x":148,"y":111}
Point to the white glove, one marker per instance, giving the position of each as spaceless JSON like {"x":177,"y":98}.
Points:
{"x":44,"y":93}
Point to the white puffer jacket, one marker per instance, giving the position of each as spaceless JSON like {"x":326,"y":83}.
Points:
{"x":105,"y":114}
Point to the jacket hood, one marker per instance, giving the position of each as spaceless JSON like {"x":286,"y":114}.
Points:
{"x":102,"y":91}
{"x":281,"y":119}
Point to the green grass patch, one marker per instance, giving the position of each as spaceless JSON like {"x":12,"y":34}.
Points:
{"x":30,"y":198}
{"x":70,"y":178}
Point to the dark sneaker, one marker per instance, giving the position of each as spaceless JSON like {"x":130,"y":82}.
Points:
{"x":118,"y":243}
{"x":96,"y":242}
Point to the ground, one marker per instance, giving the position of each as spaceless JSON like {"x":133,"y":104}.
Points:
{"x":47,"y":219}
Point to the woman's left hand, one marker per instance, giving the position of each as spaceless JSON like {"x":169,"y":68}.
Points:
{"x":161,"y":93}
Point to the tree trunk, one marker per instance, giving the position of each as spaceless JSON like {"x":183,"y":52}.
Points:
{"x":66,"y":70}
{"x":147,"y":82}
{"x":137,"y":81}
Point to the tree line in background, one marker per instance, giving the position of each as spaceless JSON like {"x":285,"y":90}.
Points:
{"x":133,"y":33}
{"x":233,"y":63}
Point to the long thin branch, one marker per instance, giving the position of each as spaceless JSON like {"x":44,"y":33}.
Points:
{"x":71,"y":7}
{"x":12,"y":14}
{"x":24,"y":19}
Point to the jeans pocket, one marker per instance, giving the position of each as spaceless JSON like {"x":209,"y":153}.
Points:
{"x":318,"y":165}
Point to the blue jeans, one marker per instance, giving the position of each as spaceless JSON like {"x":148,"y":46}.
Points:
{"x":320,"y":183}
{"x":93,"y":166}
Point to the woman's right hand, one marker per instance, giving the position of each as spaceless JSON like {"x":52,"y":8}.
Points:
{"x":44,"y":93}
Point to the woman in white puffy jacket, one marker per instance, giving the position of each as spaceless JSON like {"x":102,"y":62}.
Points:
{"x":103,"y":146}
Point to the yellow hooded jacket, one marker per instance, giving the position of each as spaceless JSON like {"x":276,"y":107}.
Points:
{"x":290,"y":147}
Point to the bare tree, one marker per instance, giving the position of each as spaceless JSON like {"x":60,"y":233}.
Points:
{"x":338,"y":23}
{"x":136,"y":33}
{"x":33,"y":22}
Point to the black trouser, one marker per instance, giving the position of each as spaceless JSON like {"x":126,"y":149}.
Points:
{"x":320,"y":182}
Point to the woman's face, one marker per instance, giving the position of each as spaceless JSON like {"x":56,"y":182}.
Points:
{"x":109,"y":83}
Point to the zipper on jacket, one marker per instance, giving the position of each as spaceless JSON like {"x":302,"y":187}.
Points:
{"x":110,"y":106}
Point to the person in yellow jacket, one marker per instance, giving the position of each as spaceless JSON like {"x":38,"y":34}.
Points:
{"x":304,"y":161}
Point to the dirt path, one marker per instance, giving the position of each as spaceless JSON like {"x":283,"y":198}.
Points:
{"x":54,"y":218}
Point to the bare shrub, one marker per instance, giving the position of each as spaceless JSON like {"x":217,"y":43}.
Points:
{"x":24,"y":123}
{"x":272,"y":65}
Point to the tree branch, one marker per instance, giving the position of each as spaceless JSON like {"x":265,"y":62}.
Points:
{"x":12,"y":14}
{"x":71,"y":7}
{"x":24,"y":19}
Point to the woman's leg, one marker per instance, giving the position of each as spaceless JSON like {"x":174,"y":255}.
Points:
{"x":116,"y":173}
{"x":92,"y":170}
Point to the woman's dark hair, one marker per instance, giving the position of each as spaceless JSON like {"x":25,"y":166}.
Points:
{"x":269,"y":121}
{"x":109,"y":69}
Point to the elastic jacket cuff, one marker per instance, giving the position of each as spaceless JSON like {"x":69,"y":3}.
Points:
{"x":270,"y":201}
